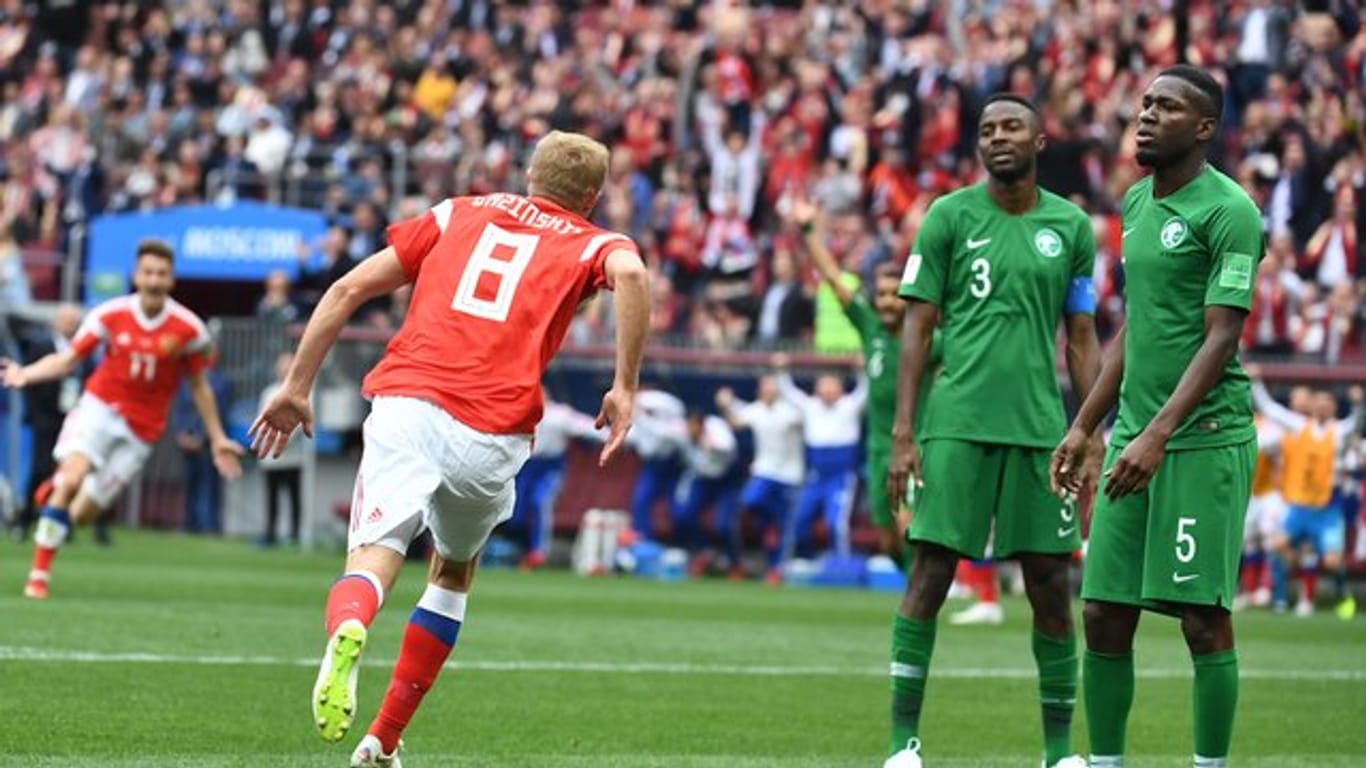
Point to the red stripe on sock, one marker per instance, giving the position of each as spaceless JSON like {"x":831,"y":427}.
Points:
{"x":988,"y":586}
{"x":419,"y":662}
{"x":351,"y":597}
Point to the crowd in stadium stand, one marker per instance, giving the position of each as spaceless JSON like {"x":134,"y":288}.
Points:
{"x":718,"y":115}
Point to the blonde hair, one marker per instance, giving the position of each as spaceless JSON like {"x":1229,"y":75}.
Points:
{"x":569,"y":168}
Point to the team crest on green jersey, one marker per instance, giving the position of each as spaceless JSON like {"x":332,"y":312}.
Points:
{"x":1048,"y":243}
{"x":1173,"y":232}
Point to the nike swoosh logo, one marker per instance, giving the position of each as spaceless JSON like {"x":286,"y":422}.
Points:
{"x":975,"y":244}
{"x":1126,"y":232}
{"x":1180,"y":579}
{"x":1065,"y":532}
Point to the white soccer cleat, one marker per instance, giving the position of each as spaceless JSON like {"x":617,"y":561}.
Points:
{"x":906,"y":758}
{"x":334,"y":693}
{"x":1304,"y":608}
{"x":370,"y":754}
{"x":979,"y":613}
{"x":1261,"y":598}
{"x":1075,"y":761}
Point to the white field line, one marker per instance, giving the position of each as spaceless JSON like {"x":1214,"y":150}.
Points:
{"x":17,"y":653}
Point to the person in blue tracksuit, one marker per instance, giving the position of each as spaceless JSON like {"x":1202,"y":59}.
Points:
{"x":832,"y":422}
{"x":710,"y":479}
{"x":654,"y":435}
{"x":779,"y":461}
{"x":538,"y":483}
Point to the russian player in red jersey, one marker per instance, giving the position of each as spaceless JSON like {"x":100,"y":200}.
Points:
{"x":150,"y":341}
{"x":496,"y":281}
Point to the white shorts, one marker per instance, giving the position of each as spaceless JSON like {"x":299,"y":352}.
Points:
{"x":420,"y":467}
{"x":116,"y":455}
{"x":1265,"y":519}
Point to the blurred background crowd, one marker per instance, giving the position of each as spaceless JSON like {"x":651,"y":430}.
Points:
{"x":718,"y":116}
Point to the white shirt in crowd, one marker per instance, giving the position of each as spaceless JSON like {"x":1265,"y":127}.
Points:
{"x":830,"y":426}
{"x":777,"y":439}
{"x":714,"y":451}
{"x":559,"y":424}
{"x":657,"y":425}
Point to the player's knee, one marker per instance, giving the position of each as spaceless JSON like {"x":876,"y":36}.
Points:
{"x":1332,"y":561}
{"x":456,"y":576}
{"x":1109,"y":627}
{"x":1207,"y":630}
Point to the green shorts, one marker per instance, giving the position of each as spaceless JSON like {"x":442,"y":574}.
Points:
{"x":1178,"y":540}
{"x":968,"y":485}
{"x":879,"y":505}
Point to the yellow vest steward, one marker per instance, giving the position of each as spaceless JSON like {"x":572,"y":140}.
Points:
{"x":1307,"y":475}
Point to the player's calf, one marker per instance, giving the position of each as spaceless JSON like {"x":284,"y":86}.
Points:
{"x":352,"y":603}
{"x":427,"y":642}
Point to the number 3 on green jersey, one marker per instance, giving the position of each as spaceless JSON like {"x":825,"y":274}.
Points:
{"x":1002,"y":284}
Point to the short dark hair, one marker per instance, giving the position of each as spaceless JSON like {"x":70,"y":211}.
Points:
{"x":158,"y":248}
{"x":1012,"y":98}
{"x":888,"y":269}
{"x":1203,"y":82}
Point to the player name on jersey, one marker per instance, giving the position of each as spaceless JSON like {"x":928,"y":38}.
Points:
{"x":525,"y":211}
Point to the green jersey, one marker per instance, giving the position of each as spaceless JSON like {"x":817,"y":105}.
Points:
{"x":1195,"y":248}
{"x":1001,"y":282}
{"x":881,"y":360}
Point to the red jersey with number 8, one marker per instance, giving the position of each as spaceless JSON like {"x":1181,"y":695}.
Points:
{"x":144,"y":359}
{"x":496,"y":282}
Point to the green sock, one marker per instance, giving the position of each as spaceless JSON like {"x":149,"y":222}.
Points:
{"x":1109,"y":679}
{"x":912,"y":645}
{"x":1056,"y":658}
{"x":1216,"y":699}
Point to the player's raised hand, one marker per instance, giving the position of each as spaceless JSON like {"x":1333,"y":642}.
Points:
{"x":285,"y":412}
{"x":1355,"y":394}
{"x":227,"y":454}
{"x":13,"y":374}
{"x":806,"y":214}
{"x":617,"y":406}
{"x":725,"y":398}
{"x":1136,"y":465}
{"x":1066,"y":469}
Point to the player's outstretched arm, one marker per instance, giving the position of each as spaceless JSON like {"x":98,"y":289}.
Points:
{"x":1141,"y":458}
{"x":1069,"y":459}
{"x":378,"y":275}
{"x":808,"y":216}
{"x":916,"y":334}
{"x":630,"y":284}
{"x":225,"y":450}
{"x":57,"y":365}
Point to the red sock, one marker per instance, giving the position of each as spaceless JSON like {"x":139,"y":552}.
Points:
{"x":353,"y":596}
{"x":42,"y":558}
{"x":987,"y":586}
{"x":1309,"y":583}
{"x":1252,"y":574}
{"x":420,"y":659}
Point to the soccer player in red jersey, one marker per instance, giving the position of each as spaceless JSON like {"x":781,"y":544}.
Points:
{"x":150,"y":341}
{"x":496,"y":281}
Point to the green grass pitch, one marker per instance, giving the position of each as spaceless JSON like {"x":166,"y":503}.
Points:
{"x":172,"y":651}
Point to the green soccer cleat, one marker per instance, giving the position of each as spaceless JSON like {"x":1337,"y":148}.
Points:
{"x":334,"y":694}
{"x":1347,"y":609}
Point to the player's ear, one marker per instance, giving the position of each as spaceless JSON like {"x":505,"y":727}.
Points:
{"x":1205,"y":130}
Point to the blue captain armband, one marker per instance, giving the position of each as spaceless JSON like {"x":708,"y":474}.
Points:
{"x":1081,"y":297}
